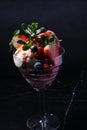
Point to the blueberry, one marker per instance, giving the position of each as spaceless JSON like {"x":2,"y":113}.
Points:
{"x":34,"y":48}
{"x":38,"y":65}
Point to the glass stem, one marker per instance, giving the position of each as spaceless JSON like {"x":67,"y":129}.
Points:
{"x":42,"y":99}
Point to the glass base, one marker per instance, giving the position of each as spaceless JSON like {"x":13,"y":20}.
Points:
{"x":46,"y":122}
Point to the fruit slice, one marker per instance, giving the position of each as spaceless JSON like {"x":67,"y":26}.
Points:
{"x":18,"y":37}
{"x":23,"y":37}
{"x":41,"y":35}
{"x":48,"y":53}
{"x":49,"y":32}
{"x":51,"y":51}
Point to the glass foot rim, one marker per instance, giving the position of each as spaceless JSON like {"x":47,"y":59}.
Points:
{"x":48,"y":121}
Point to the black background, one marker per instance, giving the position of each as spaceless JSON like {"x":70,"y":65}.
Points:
{"x":68,"y":19}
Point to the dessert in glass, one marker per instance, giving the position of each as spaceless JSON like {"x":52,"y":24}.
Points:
{"x":38,"y":56}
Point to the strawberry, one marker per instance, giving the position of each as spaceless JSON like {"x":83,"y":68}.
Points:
{"x":40,"y":53}
{"x":46,"y":66}
{"x":51,"y":51}
{"x":48,"y":33}
{"x":23,"y":37}
{"x":18,"y":37}
{"x":48,"y":53}
{"x":14,"y":42}
{"x":40,"y":35}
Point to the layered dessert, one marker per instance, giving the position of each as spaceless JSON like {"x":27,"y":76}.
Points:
{"x":38,"y":54}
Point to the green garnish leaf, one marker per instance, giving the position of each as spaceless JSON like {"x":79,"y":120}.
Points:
{"x":33,"y":26}
{"x":25,"y":45}
{"x":51,"y":38}
{"x":45,"y":40}
{"x":33,"y":35}
{"x":40,"y":30}
{"x":16,"y":32}
{"x":30,"y":43}
{"x":21,"y":42}
{"x":24,"y":26}
{"x":32,"y":29}
{"x":11,"y":46}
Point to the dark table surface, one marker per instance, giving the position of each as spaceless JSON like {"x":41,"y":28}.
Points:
{"x":18,"y":101}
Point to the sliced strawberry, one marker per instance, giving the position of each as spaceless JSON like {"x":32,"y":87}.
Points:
{"x":51,"y":51}
{"x":40,"y":35}
{"x":48,"y":53}
{"x":48,"y":33}
{"x":56,"y":50}
{"x":46,"y":66}
{"x":14,"y":42}
{"x":19,"y":37}
{"x":23,"y":37}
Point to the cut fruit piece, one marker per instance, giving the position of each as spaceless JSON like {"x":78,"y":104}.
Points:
{"x":51,"y":51}
{"x":40,"y":35}
{"x":49,"y":32}
{"x":17,"y":38}
{"x":23,"y":37}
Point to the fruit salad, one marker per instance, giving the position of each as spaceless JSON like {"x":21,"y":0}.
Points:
{"x":35,"y":48}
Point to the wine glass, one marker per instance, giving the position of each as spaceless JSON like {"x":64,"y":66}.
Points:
{"x":40,"y":79}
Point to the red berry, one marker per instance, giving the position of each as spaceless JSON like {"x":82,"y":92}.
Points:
{"x":40,"y":53}
{"x":49,"y":53}
{"x":34,"y":41}
{"x":46,"y":66}
{"x":46,"y":53}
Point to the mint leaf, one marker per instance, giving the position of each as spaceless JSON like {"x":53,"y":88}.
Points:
{"x":11,"y":46}
{"x":16,"y":32}
{"x":33,"y":35}
{"x":30,"y":43}
{"x":51,"y":38}
{"x":21,"y":42}
{"x":23,"y":26}
{"x":33,"y":26}
{"x":43,"y":40}
{"x":32,"y":29}
{"x":27,"y":46}
{"x":40,"y":30}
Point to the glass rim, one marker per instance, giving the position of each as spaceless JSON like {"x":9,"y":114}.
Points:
{"x":62,"y":51}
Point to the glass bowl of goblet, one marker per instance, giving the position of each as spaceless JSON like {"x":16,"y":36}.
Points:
{"x":40,"y":75}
